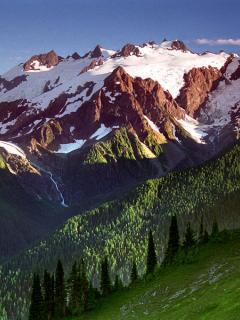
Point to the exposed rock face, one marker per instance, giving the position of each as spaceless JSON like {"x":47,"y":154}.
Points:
{"x":128,"y":50}
{"x":125,"y":101}
{"x":48,"y":60}
{"x":92,"y":65}
{"x":198,"y":83}
{"x":76,"y":56}
{"x":236,"y":74}
{"x":97,"y":52}
{"x":179,"y":45}
{"x":9,"y":85}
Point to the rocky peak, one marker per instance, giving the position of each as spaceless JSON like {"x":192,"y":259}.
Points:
{"x":198,"y":83}
{"x":97,"y":52}
{"x":179,"y":45}
{"x":46,"y":60}
{"x":76,"y":56}
{"x":128,"y":50}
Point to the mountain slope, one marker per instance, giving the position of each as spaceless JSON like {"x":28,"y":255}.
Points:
{"x":119,"y":229}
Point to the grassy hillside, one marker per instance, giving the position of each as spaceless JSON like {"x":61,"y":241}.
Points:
{"x":207,"y":288}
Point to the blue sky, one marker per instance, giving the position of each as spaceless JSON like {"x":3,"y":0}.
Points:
{"x":28,"y":27}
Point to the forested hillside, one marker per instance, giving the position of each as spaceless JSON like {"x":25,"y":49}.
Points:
{"x":119,"y":229}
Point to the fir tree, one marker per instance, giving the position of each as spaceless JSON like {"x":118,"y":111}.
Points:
{"x":73,"y":288}
{"x":91,"y":298}
{"x":151,"y":254}
{"x":36,"y":306}
{"x":201,"y":232}
{"x":60,"y":302}
{"x":47,"y":295}
{"x":215,"y":231}
{"x":105,"y":281}
{"x":189,"y":239}
{"x":205,"y":237}
{"x":134,"y":272}
{"x":84,"y":285}
{"x":173,"y":242}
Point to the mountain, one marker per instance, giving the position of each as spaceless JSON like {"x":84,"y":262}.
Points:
{"x":143,"y":110}
{"x":81,"y":136}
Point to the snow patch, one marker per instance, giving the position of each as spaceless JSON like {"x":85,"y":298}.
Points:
{"x":194,"y":128}
{"x":152,"y":124}
{"x":69,"y":147}
{"x":12,"y":149}
{"x":101,"y":132}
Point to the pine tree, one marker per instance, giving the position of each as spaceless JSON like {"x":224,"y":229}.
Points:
{"x":105,"y":281}
{"x":173,"y":242}
{"x":205,"y":237}
{"x":73,"y":288}
{"x":215,"y":231}
{"x":201,"y":232}
{"x":60,"y":300}
{"x":189,"y":239}
{"x":117,"y":283}
{"x":84,"y":285}
{"x":91,"y":298}
{"x":134,"y":272}
{"x":36,"y":306}
{"x":47,"y":295}
{"x":151,"y":254}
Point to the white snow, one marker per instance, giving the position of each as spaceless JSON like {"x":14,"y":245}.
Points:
{"x":156,"y":62}
{"x":193,"y":127}
{"x":101,"y":132}
{"x":69,"y":147}
{"x":37,"y":67}
{"x":12,"y":149}
{"x":152,"y":124}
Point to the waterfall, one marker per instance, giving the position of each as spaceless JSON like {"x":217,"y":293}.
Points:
{"x":55,"y":184}
{"x":57,"y":188}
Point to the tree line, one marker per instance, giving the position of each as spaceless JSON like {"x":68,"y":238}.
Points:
{"x":53,"y":297}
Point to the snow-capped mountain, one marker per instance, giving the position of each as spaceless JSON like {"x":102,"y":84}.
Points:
{"x":172,"y":103}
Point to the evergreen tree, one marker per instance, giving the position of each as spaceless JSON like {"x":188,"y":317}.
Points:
{"x":189,"y":239}
{"x":73,"y":288}
{"x":36,"y":306}
{"x":205,"y":237}
{"x":60,"y":299}
{"x":151,"y":254}
{"x":117,"y":283}
{"x":134,"y":272}
{"x":105,"y":282}
{"x":201,"y":232}
{"x":91,"y":298}
{"x":173,"y":242}
{"x":84,"y":285}
{"x":215,"y":231}
{"x":47,"y":295}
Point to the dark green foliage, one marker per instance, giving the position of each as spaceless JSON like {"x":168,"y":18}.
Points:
{"x":134,"y":272}
{"x":117,"y":283}
{"x":201,"y":232}
{"x":73,"y":287}
{"x":151,"y":254}
{"x":205,"y":237}
{"x":60,"y":298}
{"x":91,"y":299}
{"x":105,"y":281}
{"x":189,"y":241}
{"x":215,"y":231}
{"x":84,"y":285}
{"x":36,"y":311}
{"x":48,"y":295}
{"x":211,"y":191}
{"x":173,"y":242}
